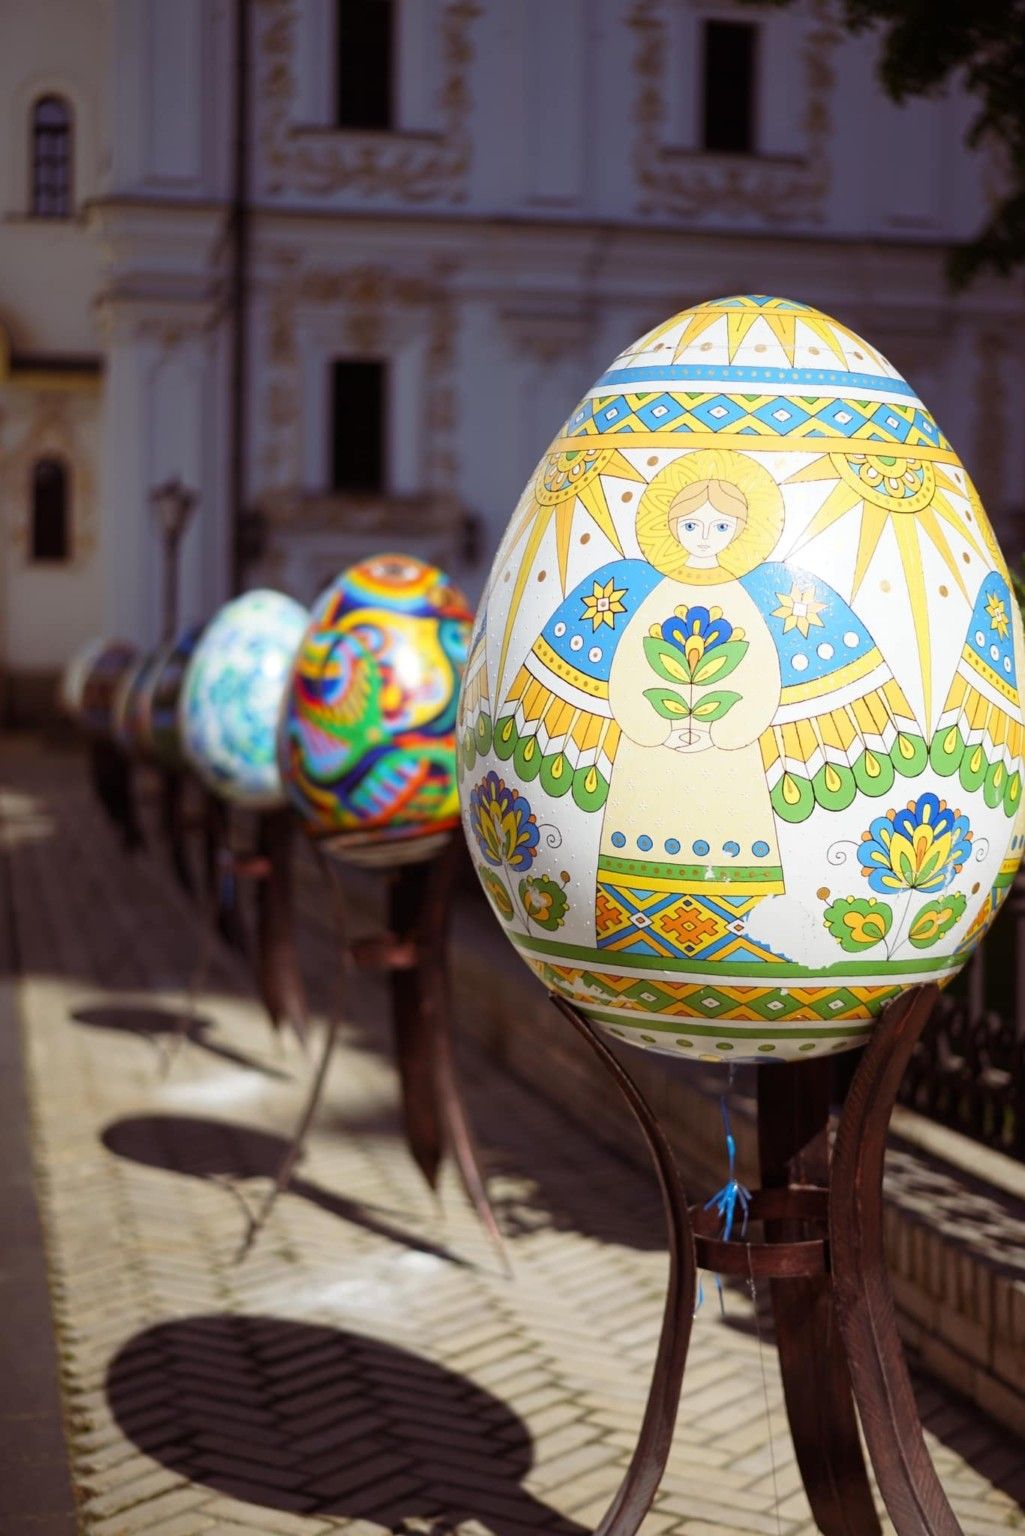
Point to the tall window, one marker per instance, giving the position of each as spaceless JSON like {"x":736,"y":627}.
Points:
{"x":49,"y":530}
{"x":51,"y":158}
{"x":359,"y":423}
{"x":365,"y":64}
{"x":729,"y":86}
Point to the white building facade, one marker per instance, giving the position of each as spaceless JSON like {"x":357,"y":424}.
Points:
{"x":355,"y":324}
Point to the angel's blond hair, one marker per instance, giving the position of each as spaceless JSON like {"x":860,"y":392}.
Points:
{"x":720,"y":494}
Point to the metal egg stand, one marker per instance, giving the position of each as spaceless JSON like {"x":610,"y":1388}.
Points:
{"x":110,"y":769}
{"x":836,"y":1331}
{"x":412,"y":953}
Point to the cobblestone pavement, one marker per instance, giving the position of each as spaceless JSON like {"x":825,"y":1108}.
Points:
{"x":368,"y":1366}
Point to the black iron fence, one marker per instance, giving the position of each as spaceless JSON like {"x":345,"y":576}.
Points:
{"x":968,"y":1070}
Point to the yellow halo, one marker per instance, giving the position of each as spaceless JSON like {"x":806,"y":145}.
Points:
{"x":753,"y":543}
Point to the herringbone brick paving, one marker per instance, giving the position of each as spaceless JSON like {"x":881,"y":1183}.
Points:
{"x":368,"y":1367}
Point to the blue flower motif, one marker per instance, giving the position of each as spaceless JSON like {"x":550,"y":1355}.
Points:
{"x":918,"y":848}
{"x":696,"y":631}
{"x":503,"y":823}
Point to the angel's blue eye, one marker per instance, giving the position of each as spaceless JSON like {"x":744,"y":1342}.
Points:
{"x":690,"y":526}
{"x":722,"y":527}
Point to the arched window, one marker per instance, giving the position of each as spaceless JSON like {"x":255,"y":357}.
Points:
{"x":51,"y":158}
{"x":50,"y":520}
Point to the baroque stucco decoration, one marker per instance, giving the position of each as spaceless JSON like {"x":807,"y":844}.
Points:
{"x":53,"y":429}
{"x":679,"y":183}
{"x":414,"y":167}
{"x":372,"y":309}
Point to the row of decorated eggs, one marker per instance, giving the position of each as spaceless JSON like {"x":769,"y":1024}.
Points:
{"x":752,"y":496}
{"x":110,"y":690}
{"x":347,"y":712}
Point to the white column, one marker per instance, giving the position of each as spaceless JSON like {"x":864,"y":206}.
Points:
{"x":166,"y":411}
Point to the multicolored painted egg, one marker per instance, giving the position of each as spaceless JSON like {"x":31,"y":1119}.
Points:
{"x":367,"y":737}
{"x":126,"y":716}
{"x":231,"y":696}
{"x":104,"y":670}
{"x":741,"y":729}
{"x":159,"y":706}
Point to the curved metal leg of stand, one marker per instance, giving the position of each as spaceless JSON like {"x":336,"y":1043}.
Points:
{"x":793,"y":1120}
{"x":111,"y":772}
{"x":907,"y":1479}
{"x":223,"y":894}
{"x":280,"y":980}
{"x":172,"y":818}
{"x":297,"y":1144}
{"x":197,"y":981}
{"x":632,"y":1501}
{"x":418,"y":901}
{"x":457,"y":1123}
{"x":434,"y":1111}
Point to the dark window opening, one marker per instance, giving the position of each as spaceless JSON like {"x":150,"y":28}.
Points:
{"x":51,"y":158}
{"x":49,"y":510}
{"x":365,"y":64}
{"x":359,"y":425}
{"x":729,"y":87}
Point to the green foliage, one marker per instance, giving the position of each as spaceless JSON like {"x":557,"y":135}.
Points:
{"x":925,"y":45}
{"x":858,"y":922}
{"x":667,"y":660}
{"x":667,"y":703}
{"x":720,"y":661}
{"x":712,"y":706}
{"x":936,"y":918}
{"x":544,"y":902}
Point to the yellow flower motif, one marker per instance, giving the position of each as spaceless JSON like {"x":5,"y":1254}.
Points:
{"x":798,"y":609}
{"x":918,"y":848}
{"x":603,"y":604}
{"x":998,"y":619}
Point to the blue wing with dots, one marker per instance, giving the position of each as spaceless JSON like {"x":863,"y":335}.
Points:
{"x":555,"y":722}
{"x":979,"y":736}
{"x":843,"y":726}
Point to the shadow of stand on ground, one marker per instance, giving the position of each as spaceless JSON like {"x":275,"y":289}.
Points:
{"x":166,"y":1029}
{"x":228,"y":1155}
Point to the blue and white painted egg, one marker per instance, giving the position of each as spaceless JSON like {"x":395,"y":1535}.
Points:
{"x":232,"y":694}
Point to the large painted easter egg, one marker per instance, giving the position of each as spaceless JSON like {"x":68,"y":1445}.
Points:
{"x":741,"y":731}
{"x":105,"y":669}
{"x":159,"y":704}
{"x":367,"y":735}
{"x":232,"y":693}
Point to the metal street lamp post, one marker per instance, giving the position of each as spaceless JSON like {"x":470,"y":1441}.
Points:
{"x":173,"y":505}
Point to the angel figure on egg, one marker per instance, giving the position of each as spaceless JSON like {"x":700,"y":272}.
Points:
{"x":622,"y":702}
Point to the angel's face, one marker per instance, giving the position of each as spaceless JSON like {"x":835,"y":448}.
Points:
{"x":703,"y":532}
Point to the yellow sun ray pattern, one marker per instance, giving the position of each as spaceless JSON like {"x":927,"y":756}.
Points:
{"x":564,"y":481}
{"x":909,"y":495}
{"x":780,"y":315}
